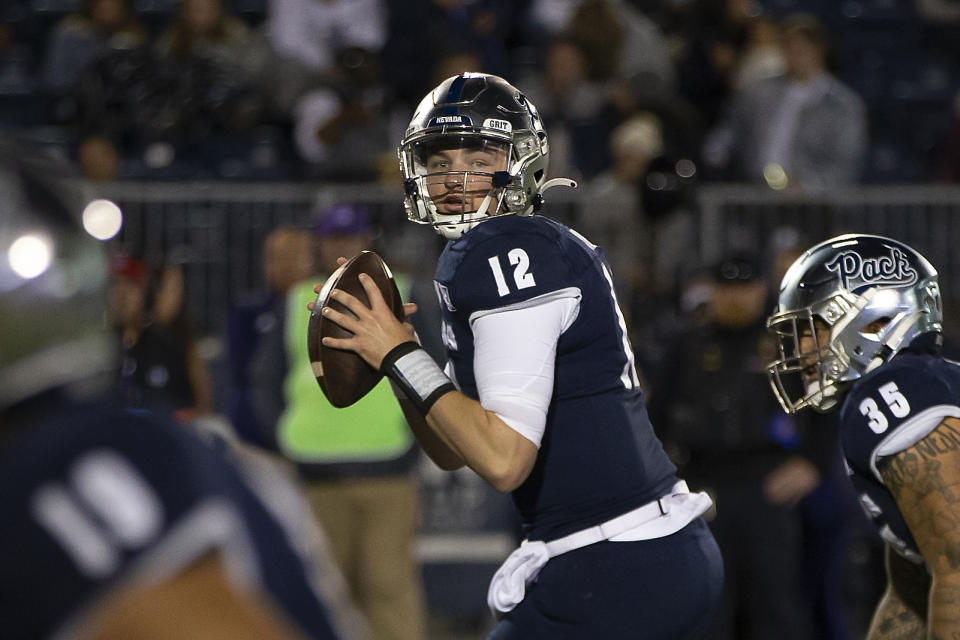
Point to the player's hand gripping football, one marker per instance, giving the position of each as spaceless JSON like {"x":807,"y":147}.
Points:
{"x":376,"y":331}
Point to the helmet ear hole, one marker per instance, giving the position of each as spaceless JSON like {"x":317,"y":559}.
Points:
{"x":875,"y":327}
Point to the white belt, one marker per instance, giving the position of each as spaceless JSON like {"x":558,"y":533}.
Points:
{"x":509,"y":583}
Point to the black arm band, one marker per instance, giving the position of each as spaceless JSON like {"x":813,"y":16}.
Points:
{"x":413,"y":370}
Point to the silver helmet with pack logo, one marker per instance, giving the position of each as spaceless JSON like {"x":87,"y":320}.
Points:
{"x":846,"y":306}
{"x":507,"y":170}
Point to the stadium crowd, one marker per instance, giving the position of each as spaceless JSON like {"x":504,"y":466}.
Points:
{"x":283,"y":89}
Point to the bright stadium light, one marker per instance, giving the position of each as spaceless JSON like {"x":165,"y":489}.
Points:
{"x":102,"y":219}
{"x":30,"y":255}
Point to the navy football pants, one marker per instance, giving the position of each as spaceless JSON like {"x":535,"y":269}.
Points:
{"x":661,"y":589}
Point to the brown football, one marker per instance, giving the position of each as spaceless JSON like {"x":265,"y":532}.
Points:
{"x":343,"y":375}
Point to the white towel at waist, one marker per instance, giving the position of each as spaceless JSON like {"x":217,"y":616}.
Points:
{"x":655,"y":519}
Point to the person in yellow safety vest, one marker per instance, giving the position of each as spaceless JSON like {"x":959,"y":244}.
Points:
{"x":358,"y":463}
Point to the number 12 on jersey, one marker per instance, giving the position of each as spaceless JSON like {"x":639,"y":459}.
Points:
{"x":521,"y":272}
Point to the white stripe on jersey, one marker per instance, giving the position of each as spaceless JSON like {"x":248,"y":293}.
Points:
{"x":911,"y":432}
{"x":629,"y":376}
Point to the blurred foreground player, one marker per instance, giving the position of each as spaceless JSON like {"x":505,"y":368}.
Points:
{"x":859,"y":320}
{"x":114,"y":525}
{"x":540,"y":396}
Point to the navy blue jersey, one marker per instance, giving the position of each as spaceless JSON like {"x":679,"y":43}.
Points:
{"x":95,"y":497}
{"x":599,"y":456}
{"x":887,"y":411}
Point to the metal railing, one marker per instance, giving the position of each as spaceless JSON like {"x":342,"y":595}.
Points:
{"x":216,"y":229}
{"x":927,"y":217}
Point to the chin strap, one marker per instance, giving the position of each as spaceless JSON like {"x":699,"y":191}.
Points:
{"x":482,"y":210}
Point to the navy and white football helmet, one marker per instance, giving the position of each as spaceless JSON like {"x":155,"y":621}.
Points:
{"x":869,"y":296}
{"x":53,"y":282}
{"x":483,"y":112}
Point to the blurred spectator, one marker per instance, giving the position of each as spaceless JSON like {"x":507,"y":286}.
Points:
{"x":629,"y":56}
{"x":668,"y":192}
{"x":307,"y":36}
{"x":154,"y":105}
{"x":619,"y":41}
{"x":344,"y":129}
{"x":98,"y":158}
{"x":287,"y":259}
{"x":803,"y":130}
{"x":455,"y":62}
{"x":762,"y":54}
{"x":443,"y":27}
{"x":126,"y":97}
{"x":574,"y":107}
{"x":357,"y":463}
{"x":945,"y":11}
{"x":626,"y":49}
{"x":550,"y":17}
{"x":711,"y":404}
{"x":80,"y":38}
{"x":161,"y":369}
{"x":16,"y":68}
{"x":616,"y":220}
{"x":708,"y":38}
{"x":223,"y":60}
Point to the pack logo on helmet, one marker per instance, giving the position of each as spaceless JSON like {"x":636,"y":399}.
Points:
{"x":891,"y":270}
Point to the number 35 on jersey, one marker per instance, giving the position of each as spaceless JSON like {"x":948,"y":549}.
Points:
{"x":896,"y":403}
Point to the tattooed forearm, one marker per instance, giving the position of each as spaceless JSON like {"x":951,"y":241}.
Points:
{"x":944,"y":619}
{"x":925,"y":482}
{"x":909,"y":583}
{"x":911,"y":472}
{"x":894,"y":621}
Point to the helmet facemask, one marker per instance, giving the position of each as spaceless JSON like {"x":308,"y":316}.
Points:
{"x":454,"y":181}
{"x":474,"y":111}
{"x":809,"y":370}
{"x":827,"y":346}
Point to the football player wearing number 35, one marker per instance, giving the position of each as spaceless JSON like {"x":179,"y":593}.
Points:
{"x":540,"y":395}
{"x":859,"y":324}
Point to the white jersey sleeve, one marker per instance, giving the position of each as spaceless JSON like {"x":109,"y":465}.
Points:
{"x":515,"y":353}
